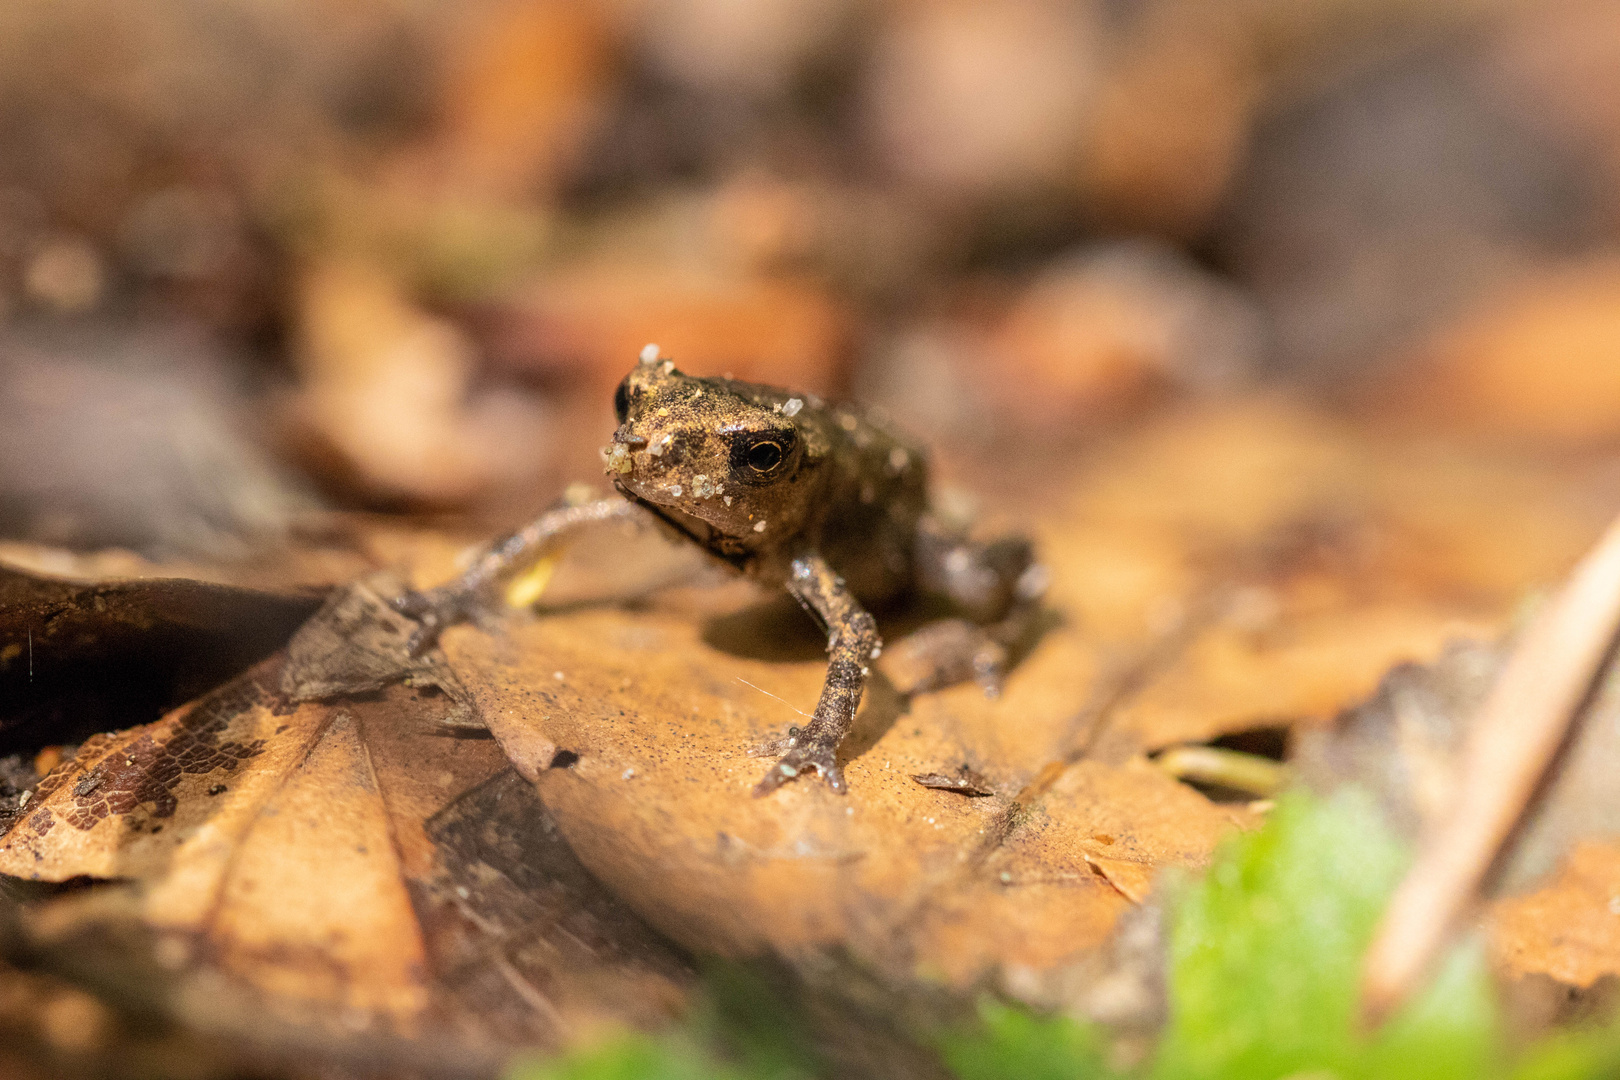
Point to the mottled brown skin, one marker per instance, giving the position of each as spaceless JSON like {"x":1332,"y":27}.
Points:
{"x":760,"y":476}
{"x":821,"y":500}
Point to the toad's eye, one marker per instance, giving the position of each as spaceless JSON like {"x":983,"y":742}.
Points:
{"x":621,"y":401}
{"x":764,"y":456}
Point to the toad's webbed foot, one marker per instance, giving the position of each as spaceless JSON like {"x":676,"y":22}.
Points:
{"x":803,"y":753}
{"x":998,"y":585}
{"x":984,"y":581}
{"x":852,"y":641}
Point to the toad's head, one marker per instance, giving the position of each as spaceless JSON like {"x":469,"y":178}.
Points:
{"x":724,"y":461}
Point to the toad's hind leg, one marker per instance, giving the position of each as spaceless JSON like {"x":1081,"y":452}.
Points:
{"x":852,"y":641}
{"x":996,"y":585}
{"x":455,"y":601}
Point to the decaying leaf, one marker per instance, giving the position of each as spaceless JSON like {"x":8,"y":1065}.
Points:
{"x":636,"y":729}
{"x":302,"y":874}
{"x":1298,"y":561}
{"x":1567,"y":928}
{"x":357,"y":644}
{"x":78,"y":655}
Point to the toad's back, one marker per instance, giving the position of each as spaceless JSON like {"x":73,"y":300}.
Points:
{"x":874,"y":498}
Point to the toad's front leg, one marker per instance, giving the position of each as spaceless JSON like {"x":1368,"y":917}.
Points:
{"x":455,"y":601}
{"x":852,"y":641}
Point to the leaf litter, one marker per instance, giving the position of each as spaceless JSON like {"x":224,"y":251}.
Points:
{"x":1232,"y":568}
{"x":337,"y":878}
{"x":1229,"y":569}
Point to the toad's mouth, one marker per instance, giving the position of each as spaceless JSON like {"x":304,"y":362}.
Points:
{"x":690,"y":526}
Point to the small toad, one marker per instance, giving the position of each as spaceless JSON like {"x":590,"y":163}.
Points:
{"x":819,"y":499}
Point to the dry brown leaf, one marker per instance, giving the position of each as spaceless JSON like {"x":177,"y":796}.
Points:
{"x":303,"y":873}
{"x":524,"y":80}
{"x":1513,"y":740}
{"x":387,"y":392}
{"x":1532,"y":361}
{"x":635,"y":729}
{"x":587,"y":323}
{"x":1297,"y":560}
{"x":1558,"y":878}
{"x":1567,"y":929}
{"x":228,"y":811}
{"x":79,"y":654}
{"x":301,"y":573}
{"x":1106,"y":329}
{"x":964,"y":781}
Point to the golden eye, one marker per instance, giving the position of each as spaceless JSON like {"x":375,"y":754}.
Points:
{"x":764,"y":456}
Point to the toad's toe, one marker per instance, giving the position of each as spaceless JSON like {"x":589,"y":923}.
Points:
{"x":799,"y":761}
{"x":433,"y":610}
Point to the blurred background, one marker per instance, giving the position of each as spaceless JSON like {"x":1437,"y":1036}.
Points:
{"x":260,"y":259}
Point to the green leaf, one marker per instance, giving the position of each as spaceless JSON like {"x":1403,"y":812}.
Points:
{"x":1266,"y":954}
{"x":1573,"y":1055}
{"x":1011,"y":1044}
{"x":631,"y":1056}
{"x":741,"y":1028}
{"x":743,"y":1013}
{"x":1450,"y":1032}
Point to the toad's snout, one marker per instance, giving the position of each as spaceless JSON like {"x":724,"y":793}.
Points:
{"x":641,"y":460}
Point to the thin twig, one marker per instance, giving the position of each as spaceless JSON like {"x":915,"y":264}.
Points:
{"x":1513,"y":740}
